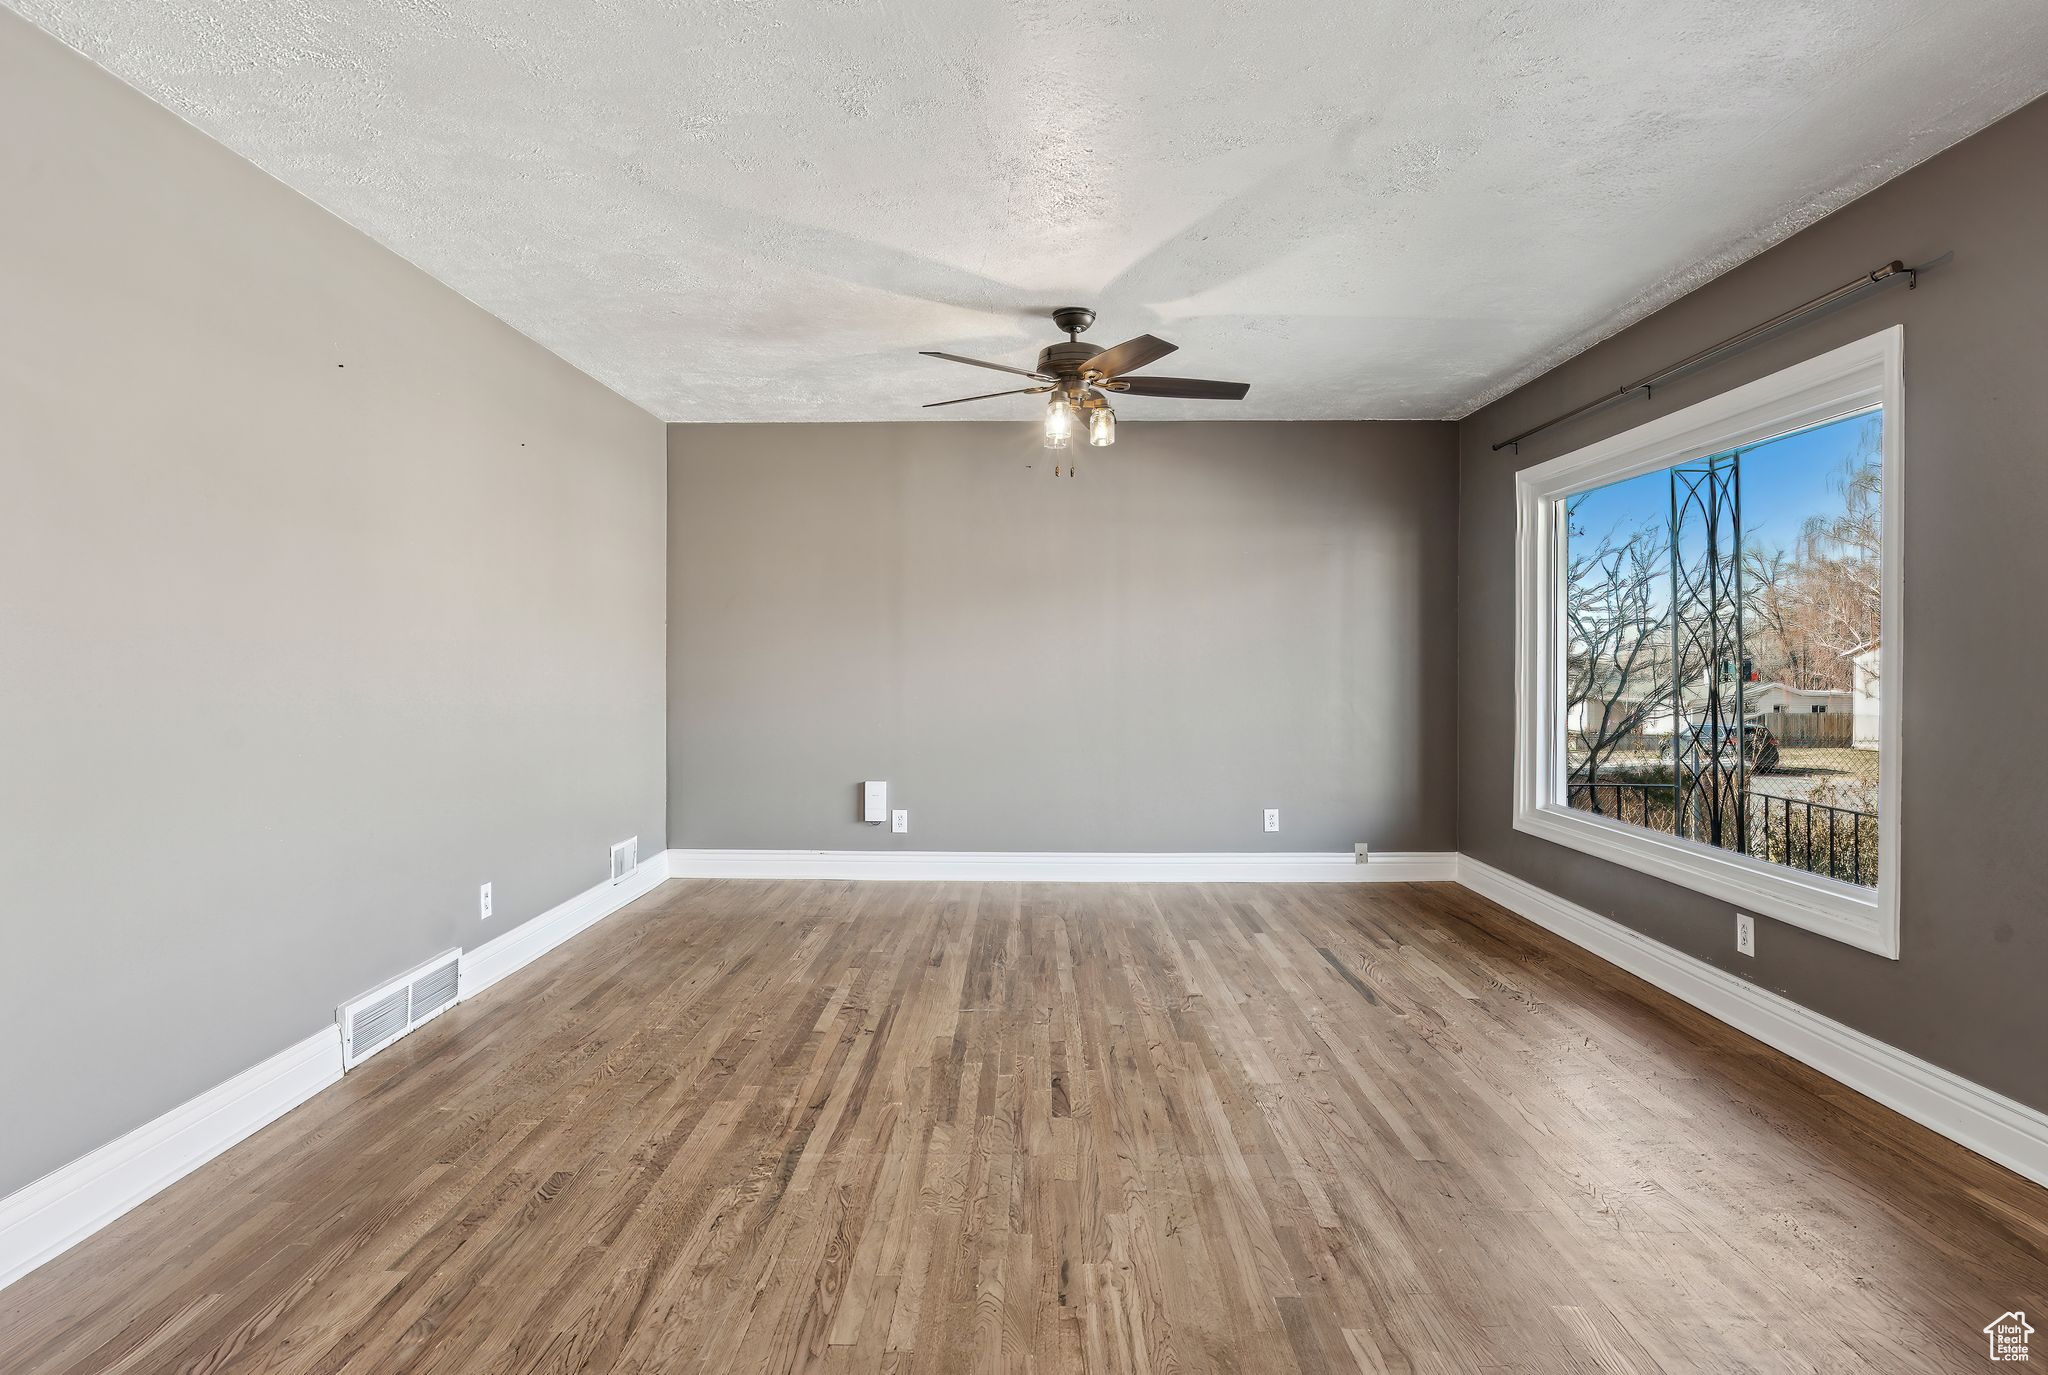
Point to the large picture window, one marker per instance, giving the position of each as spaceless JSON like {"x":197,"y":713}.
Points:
{"x":1708,"y":646}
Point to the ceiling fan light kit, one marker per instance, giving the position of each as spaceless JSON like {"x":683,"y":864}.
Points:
{"x":1077,"y":379}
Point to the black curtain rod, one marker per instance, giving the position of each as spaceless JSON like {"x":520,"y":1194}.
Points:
{"x":1890,"y":272}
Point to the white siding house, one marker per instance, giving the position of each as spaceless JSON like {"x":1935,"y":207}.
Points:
{"x":1865,"y":697}
{"x":1775,"y":699}
{"x":1801,"y":716}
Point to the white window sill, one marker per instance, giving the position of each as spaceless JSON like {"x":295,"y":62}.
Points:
{"x":1839,"y":911}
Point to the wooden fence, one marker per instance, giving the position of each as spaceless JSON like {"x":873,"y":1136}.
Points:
{"x":1800,"y":729}
{"x":1830,"y":729}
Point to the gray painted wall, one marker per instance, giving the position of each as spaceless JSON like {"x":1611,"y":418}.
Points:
{"x":325,"y":598}
{"x":1213,"y":618}
{"x":1968,"y":991}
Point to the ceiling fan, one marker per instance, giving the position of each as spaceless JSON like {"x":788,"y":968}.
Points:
{"x":1078,"y":375}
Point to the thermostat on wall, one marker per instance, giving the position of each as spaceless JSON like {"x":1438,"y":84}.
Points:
{"x":874,"y":807}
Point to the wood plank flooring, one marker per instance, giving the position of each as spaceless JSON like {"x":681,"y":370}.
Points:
{"x":777,"y":1126}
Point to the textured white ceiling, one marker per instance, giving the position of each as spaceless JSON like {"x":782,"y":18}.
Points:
{"x":760,"y":210}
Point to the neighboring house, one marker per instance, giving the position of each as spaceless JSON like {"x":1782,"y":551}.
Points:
{"x":1775,"y":699}
{"x":1820,"y":716}
{"x":1647,"y":679}
{"x":1801,"y":716}
{"x":1579,"y":716}
{"x":1864,"y":696}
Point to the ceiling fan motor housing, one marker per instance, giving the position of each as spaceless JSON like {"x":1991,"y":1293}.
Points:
{"x":1065,"y":360}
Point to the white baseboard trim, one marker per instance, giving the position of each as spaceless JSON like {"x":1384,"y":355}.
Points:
{"x":63,"y":1208}
{"x":68,"y":1205}
{"x":1972,"y":1116}
{"x":529,"y":940}
{"x":1007,"y":866}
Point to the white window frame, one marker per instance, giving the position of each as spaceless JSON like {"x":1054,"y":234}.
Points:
{"x":1841,"y":382}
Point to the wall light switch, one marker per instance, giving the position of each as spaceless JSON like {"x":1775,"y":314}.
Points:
{"x":874,"y":806}
{"x":1272,"y":818}
{"x":483,"y":902}
{"x":899,"y":822}
{"x":1745,"y":934}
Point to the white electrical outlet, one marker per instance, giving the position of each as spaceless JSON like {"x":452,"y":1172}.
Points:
{"x":1360,"y":851}
{"x":1272,"y":818}
{"x":899,"y":821}
{"x":1745,"y":934}
{"x":483,"y":902}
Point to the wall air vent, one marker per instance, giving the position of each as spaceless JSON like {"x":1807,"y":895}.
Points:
{"x":381,"y":1016}
{"x":374,"y":1024}
{"x":434,"y":991}
{"x":625,"y":858}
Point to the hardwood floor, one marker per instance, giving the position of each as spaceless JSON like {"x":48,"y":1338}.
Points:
{"x":962,"y":1127}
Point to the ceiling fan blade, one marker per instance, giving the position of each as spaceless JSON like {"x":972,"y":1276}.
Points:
{"x":1130,"y":355}
{"x":1021,"y":391}
{"x":976,"y":362}
{"x":1190,"y":388}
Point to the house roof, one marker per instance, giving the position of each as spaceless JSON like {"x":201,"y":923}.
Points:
{"x":1796,"y":691}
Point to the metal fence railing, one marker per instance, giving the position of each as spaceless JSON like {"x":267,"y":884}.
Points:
{"x":1814,"y":837}
{"x":1818,"y":837}
{"x":1648,"y":805}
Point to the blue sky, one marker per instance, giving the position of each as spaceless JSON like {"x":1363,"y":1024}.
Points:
{"x":1784,"y":481}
